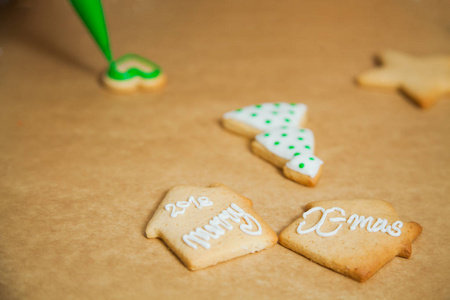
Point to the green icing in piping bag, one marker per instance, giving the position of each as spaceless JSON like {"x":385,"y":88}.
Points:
{"x":91,"y":13}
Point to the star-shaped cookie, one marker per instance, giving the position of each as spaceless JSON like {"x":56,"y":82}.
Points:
{"x":352,"y":237}
{"x":424,"y":79}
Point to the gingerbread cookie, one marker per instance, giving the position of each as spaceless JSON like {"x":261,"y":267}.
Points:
{"x":278,"y":138}
{"x":280,"y":145}
{"x":131,"y":72}
{"x":205,"y":226}
{"x":304,"y":168}
{"x":291,"y":149}
{"x":353,"y":237}
{"x":424,"y":79}
{"x":251,"y":120}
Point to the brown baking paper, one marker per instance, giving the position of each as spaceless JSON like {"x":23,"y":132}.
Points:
{"x":83,"y":169}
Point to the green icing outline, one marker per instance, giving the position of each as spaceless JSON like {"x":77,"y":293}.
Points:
{"x":114,"y":73}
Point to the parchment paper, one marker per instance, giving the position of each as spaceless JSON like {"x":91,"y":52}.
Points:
{"x":83,"y":169}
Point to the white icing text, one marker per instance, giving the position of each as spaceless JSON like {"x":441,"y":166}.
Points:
{"x":199,"y":203}
{"x":213,"y":229}
{"x":355,"y":221}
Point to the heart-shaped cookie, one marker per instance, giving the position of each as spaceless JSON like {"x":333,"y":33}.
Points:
{"x":131,"y":72}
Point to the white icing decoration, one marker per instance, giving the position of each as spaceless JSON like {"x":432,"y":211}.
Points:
{"x":199,"y":203}
{"x":396,"y":226}
{"x":203,"y":201}
{"x":359,"y":220}
{"x":321,"y":221}
{"x":355,"y":221}
{"x":306,"y":164}
{"x":287,"y":142}
{"x":212,"y":230}
{"x":270,"y":115}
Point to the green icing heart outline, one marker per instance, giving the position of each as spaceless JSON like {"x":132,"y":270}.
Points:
{"x":114,"y":73}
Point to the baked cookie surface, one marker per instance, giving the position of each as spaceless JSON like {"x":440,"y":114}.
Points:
{"x":207,"y":225}
{"x":424,"y":79}
{"x":352,"y":237}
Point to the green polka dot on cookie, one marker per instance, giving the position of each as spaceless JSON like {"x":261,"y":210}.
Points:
{"x":277,"y":104}
{"x":287,"y":120}
{"x":266,"y":134}
{"x":276,"y":143}
{"x":291,"y":147}
{"x":239,"y":109}
{"x":307,"y":147}
{"x":293,"y":104}
{"x":302,"y":130}
{"x":275,"y":112}
{"x":296,"y":153}
{"x":300,"y":139}
{"x":301,"y":165}
{"x":311,"y":158}
{"x":254,"y":115}
{"x":258,"y":105}
{"x":284,"y":134}
{"x":268,"y":121}
{"x":292,"y":112}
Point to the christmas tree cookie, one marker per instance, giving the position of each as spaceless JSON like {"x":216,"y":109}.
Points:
{"x":278,"y":138}
{"x":291,"y":149}
{"x":353,"y":237}
{"x":280,"y":145}
{"x":304,"y":168}
{"x":251,"y":120}
{"x":205,"y":226}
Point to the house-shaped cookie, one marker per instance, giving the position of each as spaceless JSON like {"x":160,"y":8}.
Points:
{"x":353,"y":237}
{"x":207,"y":225}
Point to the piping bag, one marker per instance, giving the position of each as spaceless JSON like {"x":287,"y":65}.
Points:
{"x":129,"y":67}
